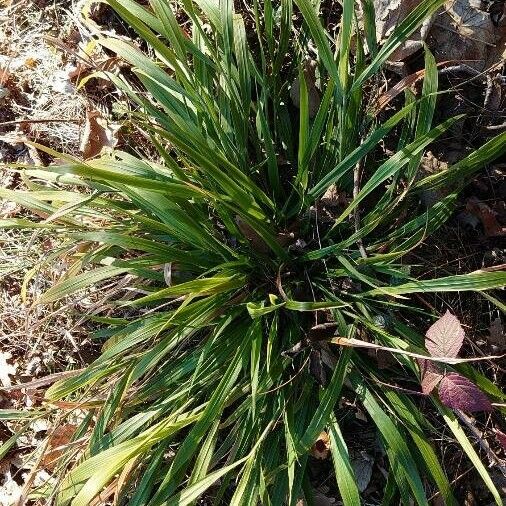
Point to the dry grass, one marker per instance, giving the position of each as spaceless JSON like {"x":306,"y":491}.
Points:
{"x":37,"y":340}
{"x":39,"y":88}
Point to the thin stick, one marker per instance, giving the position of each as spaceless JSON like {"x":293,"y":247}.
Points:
{"x":55,"y":120}
{"x":502,"y":126}
{"x":492,"y":457}
{"x":357,"y":343}
{"x":452,"y":483}
{"x":47,"y":380}
{"x":289,"y":380}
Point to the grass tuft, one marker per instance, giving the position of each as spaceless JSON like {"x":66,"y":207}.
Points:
{"x":244,"y":265}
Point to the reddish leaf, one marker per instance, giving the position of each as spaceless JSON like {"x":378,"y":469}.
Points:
{"x":501,"y":438}
{"x":430,"y":374}
{"x":457,"y":392}
{"x":445,"y":337}
{"x":488,"y":217}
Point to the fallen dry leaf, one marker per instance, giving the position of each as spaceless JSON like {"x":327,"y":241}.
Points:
{"x":389,"y":13}
{"x":487,"y":216}
{"x":464,"y":32}
{"x":362,"y":464}
{"x":431,"y":375}
{"x":31,"y":62}
{"x":312,"y":91}
{"x":496,"y":335}
{"x":98,"y":134}
{"x":334,"y":197}
{"x":10,"y":491}
{"x":58,"y":440}
{"x":431,"y":164}
{"x":403,"y":84}
{"x":320,"y":449}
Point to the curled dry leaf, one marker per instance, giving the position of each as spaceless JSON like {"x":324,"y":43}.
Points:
{"x":457,"y":392}
{"x":407,"y":82}
{"x":445,"y":337}
{"x":487,"y":216}
{"x":98,"y":134}
{"x":320,"y":449}
{"x":334,"y":197}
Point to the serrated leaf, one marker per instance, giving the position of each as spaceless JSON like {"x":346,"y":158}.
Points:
{"x":430,"y":374}
{"x":445,"y":337}
{"x":457,"y":392}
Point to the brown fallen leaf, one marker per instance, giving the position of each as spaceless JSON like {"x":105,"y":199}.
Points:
{"x":430,"y":376}
{"x":98,"y":134}
{"x":464,"y":32}
{"x":321,"y":447}
{"x":362,"y":464}
{"x":334,"y":197}
{"x":487,"y":216}
{"x":58,"y":440}
{"x":388,"y":14}
{"x":312,"y":91}
{"x":496,"y":334}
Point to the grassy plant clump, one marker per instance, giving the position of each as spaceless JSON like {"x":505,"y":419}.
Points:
{"x":273,"y":225}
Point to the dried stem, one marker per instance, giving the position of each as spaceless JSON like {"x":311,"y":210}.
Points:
{"x":492,"y":457}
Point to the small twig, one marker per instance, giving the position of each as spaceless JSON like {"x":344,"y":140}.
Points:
{"x":55,"y":120}
{"x":492,"y":457}
{"x":357,"y":171}
{"x":502,"y":126}
{"x":452,"y":483}
{"x":47,"y":380}
{"x":287,"y":381}
{"x":279,"y":286}
{"x":400,"y":389}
